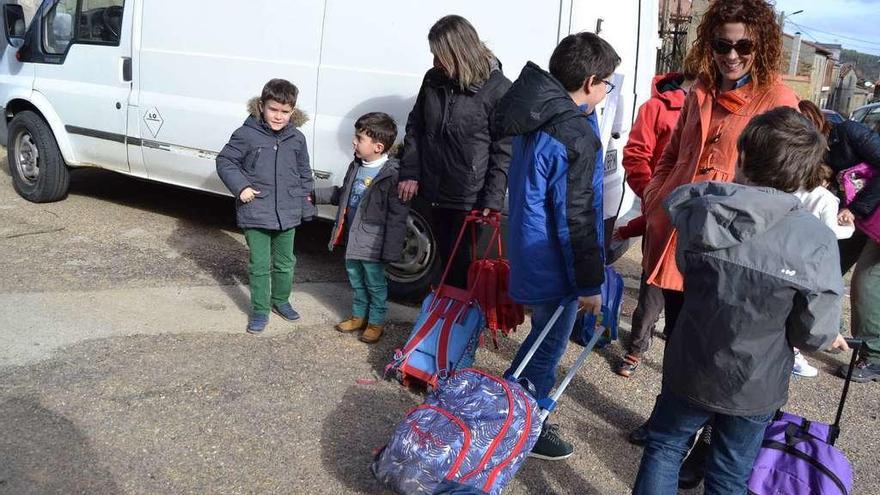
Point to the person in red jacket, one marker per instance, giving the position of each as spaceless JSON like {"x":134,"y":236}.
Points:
{"x":647,"y":139}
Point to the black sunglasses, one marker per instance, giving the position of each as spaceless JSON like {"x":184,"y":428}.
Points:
{"x":723,"y":47}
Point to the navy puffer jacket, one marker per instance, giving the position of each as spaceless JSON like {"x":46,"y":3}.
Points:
{"x":274,"y":163}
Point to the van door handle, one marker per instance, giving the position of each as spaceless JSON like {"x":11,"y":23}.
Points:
{"x":126,"y":69}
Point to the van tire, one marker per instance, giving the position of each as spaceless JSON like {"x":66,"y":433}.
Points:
{"x":38,"y":171}
{"x":410,"y":280}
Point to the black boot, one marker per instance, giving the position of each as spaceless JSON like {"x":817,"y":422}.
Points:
{"x":693,"y":469}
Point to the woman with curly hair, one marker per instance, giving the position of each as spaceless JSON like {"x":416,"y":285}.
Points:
{"x":737,"y":54}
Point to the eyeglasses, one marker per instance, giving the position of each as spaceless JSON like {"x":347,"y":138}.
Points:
{"x":723,"y":47}
{"x":609,"y":87}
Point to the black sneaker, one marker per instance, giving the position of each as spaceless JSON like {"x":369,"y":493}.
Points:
{"x":639,"y":436}
{"x":863,"y":372}
{"x":549,"y":446}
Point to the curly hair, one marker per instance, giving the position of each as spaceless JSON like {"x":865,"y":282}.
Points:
{"x":760,"y":22}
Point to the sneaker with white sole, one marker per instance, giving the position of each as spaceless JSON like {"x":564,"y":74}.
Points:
{"x":802,"y":367}
{"x":550,"y":446}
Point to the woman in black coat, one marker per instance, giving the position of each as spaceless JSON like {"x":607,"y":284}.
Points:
{"x":450,"y":159}
{"x":851,"y":143}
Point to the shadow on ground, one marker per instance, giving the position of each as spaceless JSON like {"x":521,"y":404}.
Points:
{"x":44,"y":452}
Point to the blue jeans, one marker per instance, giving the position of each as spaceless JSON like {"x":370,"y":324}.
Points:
{"x":736,"y":441}
{"x":541,"y":370}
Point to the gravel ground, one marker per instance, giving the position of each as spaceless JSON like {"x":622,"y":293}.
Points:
{"x":184,"y":401}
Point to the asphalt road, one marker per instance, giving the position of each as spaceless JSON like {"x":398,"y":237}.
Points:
{"x":124,"y":367}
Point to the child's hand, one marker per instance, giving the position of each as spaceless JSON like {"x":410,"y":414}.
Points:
{"x":615,"y":234}
{"x":845,"y":217}
{"x":248,"y":194}
{"x":840,"y":343}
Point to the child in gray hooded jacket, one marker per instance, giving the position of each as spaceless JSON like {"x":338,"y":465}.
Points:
{"x":370,"y":221}
{"x":761,"y":275}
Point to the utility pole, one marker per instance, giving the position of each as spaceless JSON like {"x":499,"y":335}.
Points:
{"x":795,"y":54}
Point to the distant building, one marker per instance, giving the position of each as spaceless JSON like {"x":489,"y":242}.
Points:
{"x":849,"y":93}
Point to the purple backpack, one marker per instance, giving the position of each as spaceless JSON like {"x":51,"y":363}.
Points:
{"x":852,"y":180}
{"x":474,"y":431}
{"x":798,"y":455}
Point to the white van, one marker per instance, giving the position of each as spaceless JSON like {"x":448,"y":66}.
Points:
{"x":154,"y":88}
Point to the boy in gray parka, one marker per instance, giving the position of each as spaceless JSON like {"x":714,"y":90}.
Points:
{"x":761,"y":275}
{"x":370,"y":221}
{"x":265,"y":165}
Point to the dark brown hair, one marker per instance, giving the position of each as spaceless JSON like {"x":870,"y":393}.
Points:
{"x":781,"y":149}
{"x":280,"y":90}
{"x":379,"y":127}
{"x":764,"y":31}
{"x":579,"y":56}
{"x":812,"y":112}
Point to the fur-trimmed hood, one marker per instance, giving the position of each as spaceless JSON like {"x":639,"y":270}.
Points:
{"x":298,"y":119}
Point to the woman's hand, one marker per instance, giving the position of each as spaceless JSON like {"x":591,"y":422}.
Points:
{"x":845,"y":217}
{"x":407,"y":189}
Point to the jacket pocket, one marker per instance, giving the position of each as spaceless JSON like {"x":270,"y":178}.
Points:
{"x":250,"y":160}
{"x":301,"y":203}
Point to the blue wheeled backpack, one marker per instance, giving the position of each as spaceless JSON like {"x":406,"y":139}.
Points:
{"x":612,"y":297}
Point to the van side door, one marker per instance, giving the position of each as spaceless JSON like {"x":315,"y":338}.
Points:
{"x":83,"y":68}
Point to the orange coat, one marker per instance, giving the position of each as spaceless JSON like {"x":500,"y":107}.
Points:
{"x":702,"y":148}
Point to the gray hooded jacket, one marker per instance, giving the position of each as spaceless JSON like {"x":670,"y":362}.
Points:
{"x":761,"y":275}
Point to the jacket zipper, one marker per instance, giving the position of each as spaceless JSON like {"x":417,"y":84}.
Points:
{"x":788,"y":449}
{"x":277,"y":215}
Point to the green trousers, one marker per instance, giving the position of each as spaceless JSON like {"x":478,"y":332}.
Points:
{"x":367,"y":279}
{"x":271,"y":267}
{"x":866,"y":301}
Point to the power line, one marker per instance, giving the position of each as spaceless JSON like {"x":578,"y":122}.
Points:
{"x":833,"y":34}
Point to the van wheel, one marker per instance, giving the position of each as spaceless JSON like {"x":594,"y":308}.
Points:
{"x":410,"y":278}
{"x":38,"y":171}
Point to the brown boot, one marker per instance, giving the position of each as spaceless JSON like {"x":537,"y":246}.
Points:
{"x":352,"y":324}
{"x":372,"y":334}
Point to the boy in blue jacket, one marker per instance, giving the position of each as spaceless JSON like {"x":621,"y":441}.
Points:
{"x":555,"y":240}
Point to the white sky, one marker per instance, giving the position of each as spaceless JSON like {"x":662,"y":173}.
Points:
{"x":855,"y":24}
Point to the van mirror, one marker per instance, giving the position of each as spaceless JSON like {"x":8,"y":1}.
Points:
{"x":13,"y":21}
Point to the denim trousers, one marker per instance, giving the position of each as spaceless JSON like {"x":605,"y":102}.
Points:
{"x":735,"y":443}
{"x":541,"y":369}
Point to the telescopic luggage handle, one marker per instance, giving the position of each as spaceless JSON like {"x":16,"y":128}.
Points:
{"x":857,"y":346}
{"x":549,"y":404}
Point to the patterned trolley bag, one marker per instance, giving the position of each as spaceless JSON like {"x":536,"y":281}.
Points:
{"x":471,"y":435}
{"x":798,"y":456}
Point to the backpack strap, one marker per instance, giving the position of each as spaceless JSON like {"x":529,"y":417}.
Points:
{"x":442,"y":354}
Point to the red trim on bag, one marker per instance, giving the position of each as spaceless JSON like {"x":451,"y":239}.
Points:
{"x":516,"y":450}
{"x":442,"y":353}
{"x":464,"y":429}
{"x":501,"y":434}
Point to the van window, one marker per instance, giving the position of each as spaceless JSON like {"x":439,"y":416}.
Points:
{"x":58,"y":27}
{"x":98,"y":22}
